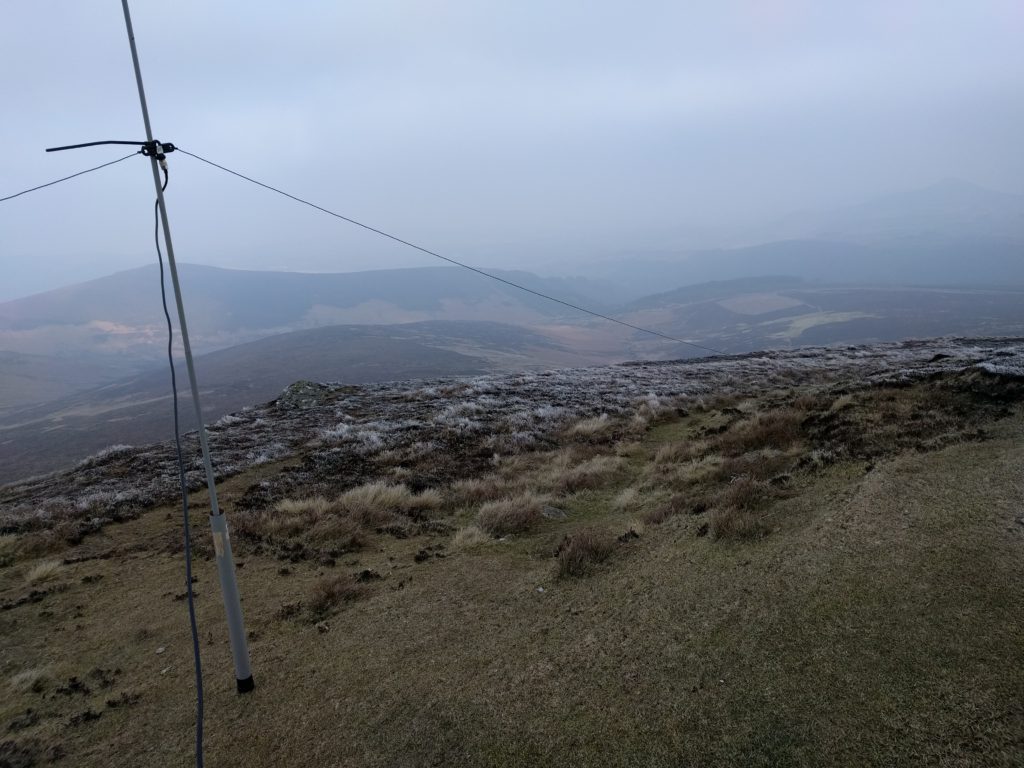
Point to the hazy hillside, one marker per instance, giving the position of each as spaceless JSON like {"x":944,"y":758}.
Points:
{"x":137,"y":409}
{"x":950,"y":233}
{"x":28,"y":379}
{"x":120,"y":315}
{"x":950,"y":207}
{"x":749,"y":314}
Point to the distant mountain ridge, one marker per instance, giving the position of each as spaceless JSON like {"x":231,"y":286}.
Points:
{"x":948,"y":233}
{"x":120,"y":314}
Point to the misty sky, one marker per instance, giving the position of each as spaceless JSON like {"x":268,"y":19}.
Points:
{"x":525,"y":134}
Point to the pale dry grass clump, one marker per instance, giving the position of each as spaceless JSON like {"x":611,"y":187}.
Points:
{"x":378,"y":503}
{"x":595,"y":426}
{"x":626,"y":500}
{"x":654,"y":410}
{"x":314,"y":506}
{"x":681,"y":451}
{"x":314,"y":520}
{"x":683,"y":476}
{"x":340,"y":534}
{"x":592,"y":473}
{"x":43,"y":571}
{"x":840,"y":403}
{"x":630,"y":449}
{"x":469,"y":537}
{"x":581,"y":550}
{"x":30,"y":680}
{"x":514,"y":514}
{"x":332,"y":591}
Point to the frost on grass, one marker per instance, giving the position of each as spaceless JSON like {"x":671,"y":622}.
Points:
{"x":448,"y":428}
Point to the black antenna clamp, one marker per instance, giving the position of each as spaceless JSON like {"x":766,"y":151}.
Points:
{"x":157,"y":149}
{"x":154,"y":148}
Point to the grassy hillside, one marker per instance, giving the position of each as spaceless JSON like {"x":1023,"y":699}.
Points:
{"x":795,"y":559}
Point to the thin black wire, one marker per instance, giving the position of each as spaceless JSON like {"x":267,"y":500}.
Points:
{"x":73,"y":175}
{"x":450,"y":260}
{"x":197,"y":661}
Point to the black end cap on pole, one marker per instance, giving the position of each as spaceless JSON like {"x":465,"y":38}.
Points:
{"x":247,"y":685}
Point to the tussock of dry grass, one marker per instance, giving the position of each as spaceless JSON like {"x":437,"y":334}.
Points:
{"x":596,"y":426}
{"x":30,"y":680}
{"x":761,"y":464}
{"x":684,"y":476}
{"x":515,"y":514}
{"x":775,"y":429}
{"x":629,"y":450}
{"x":592,"y":473}
{"x":339,"y":534}
{"x":315,"y":506}
{"x":747,"y":493}
{"x":581,"y":550}
{"x":735,"y":523}
{"x":469,"y":537}
{"x":43,"y":571}
{"x":675,"y":505}
{"x":681,"y":451}
{"x":477,"y":490}
{"x":375,"y":504}
{"x":332,"y":591}
{"x":841,"y":402}
{"x":626,"y":500}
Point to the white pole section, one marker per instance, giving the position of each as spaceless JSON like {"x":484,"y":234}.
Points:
{"x":222,"y":544}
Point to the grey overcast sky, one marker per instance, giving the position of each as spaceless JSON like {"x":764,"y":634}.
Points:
{"x":528,"y":133}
